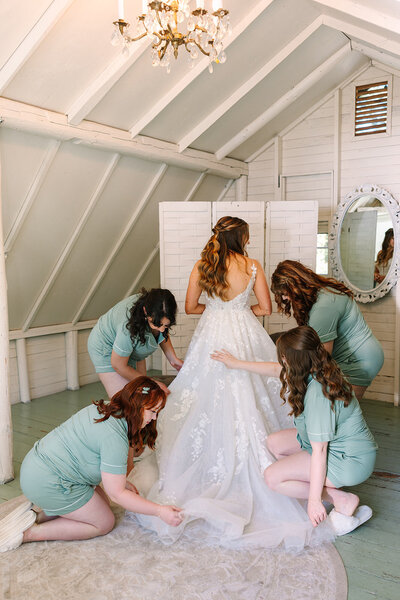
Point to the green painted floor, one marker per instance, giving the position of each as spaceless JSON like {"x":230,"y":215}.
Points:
{"x":371,"y":554}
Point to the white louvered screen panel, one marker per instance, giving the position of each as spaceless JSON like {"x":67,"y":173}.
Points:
{"x":291,"y":233}
{"x":184,"y":231}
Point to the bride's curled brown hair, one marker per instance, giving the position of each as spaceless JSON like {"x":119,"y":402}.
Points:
{"x":130,"y":403}
{"x":301,"y":353}
{"x":230,"y":236}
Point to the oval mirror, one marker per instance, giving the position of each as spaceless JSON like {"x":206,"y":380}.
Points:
{"x":364,"y":242}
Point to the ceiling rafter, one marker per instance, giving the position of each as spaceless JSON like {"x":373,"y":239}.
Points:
{"x":96,"y":91}
{"x":377,"y":55}
{"x":117,"y":247}
{"x":33,"y":191}
{"x":287,"y":99}
{"x":71,"y":243}
{"x":370,"y":15}
{"x":248,"y":85}
{"x":360,"y":33}
{"x":25,"y":117}
{"x":32,"y":40}
{"x":163,"y":102}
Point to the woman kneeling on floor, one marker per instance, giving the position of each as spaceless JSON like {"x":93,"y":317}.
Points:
{"x":331,"y":446}
{"x":62,"y":472}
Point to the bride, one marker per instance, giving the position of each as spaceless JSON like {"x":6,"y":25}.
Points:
{"x":211,"y":450}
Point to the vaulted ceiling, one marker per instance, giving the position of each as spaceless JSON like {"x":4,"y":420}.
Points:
{"x":92,"y":140}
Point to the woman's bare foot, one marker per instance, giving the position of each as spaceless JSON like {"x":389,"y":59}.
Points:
{"x":346,"y":503}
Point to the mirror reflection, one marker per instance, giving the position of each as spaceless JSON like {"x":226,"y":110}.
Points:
{"x":366,"y":242}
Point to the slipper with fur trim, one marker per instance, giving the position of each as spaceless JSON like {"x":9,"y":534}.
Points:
{"x":11,"y":536}
{"x":342,"y":524}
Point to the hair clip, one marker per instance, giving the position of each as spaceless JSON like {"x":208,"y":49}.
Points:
{"x":145,"y":390}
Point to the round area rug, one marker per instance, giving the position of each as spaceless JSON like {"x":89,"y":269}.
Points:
{"x":130,"y":563}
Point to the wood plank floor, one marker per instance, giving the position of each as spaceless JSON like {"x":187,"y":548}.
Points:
{"x":371,"y":554}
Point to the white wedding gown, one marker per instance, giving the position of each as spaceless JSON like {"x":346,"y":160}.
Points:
{"x":211,"y":450}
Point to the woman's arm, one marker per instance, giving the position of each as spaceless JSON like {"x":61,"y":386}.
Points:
{"x":192,"y":306}
{"x":120,"y":365}
{"x":168,"y":349}
{"x":261,"y":290}
{"x":115,"y":488}
{"x":316,"y":510}
{"x":328,"y":346}
{"x":270,"y":369}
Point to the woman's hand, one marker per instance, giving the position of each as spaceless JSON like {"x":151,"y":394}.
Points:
{"x":171,"y":515}
{"x":226,"y":357}
{"x":162,"y":386}
{"x":177,"y":363}
{"x":316,"y":511}
{"x":129,"y":486}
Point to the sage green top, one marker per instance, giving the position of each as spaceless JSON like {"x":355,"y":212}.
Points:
{"x":337,"y":318}
{"x":344,"y":427}
{"x":79,"y":449}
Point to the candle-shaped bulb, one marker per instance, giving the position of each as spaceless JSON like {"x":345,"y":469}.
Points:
{"x":145,"y":7}
{"x":200,"y":4}
{"x":121,"y":14}
{"x":217,"y":4}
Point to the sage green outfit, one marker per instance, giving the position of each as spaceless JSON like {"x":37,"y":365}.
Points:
{"x":110,"y":333}
{"x":61,"y":471}
{"x":356,"y":350}
{"x":351,"y":446}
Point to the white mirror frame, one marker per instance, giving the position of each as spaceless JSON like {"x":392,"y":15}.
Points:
{"x":391,"y":278}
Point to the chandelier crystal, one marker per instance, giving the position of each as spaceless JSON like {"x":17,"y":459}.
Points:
{"x":171,"y":25}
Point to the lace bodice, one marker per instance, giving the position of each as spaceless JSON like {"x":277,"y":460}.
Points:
{"x":239,"y":302}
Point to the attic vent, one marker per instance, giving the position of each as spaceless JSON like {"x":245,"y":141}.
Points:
{"x":371,"y":108}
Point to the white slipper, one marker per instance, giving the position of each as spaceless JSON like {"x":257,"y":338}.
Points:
{"x":12,"y":534}
{"x":15,"y":514}
{"x":363,"y":514}
{"x":343,"y":524}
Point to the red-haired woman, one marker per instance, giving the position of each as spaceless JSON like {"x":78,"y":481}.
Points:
{"x":331,"y":446}
{"x":62,"y":472}
{"x":328,"y":306}
{"x":384,"y":258}
{"x":212,"y":453}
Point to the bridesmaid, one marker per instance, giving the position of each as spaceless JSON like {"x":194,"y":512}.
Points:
{"x":129,"y":332}
{"x":331,"y":445}
{"x":328,"y":306}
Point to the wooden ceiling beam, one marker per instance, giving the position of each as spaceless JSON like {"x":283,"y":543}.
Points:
{"x":287,"y":99}
{"x":368,"y":14}
{"x":248,"y":85}
{"x":32,"y":40}
{"x":32,"y":119}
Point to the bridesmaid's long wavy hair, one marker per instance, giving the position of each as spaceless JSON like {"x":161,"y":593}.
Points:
{"x":301,"y":286}
{"x":386,"y":252}
{"x":130,"y":403}
{"x":230,"y":236}
{"x":301,"y":353}
{"x":157,"y":304}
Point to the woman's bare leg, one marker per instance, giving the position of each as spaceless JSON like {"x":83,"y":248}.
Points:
{"x":283,"y":443}
{"x":359,"y":391}
{"x":290,"y":476}
{"x":93,"y":519}
{"x":113,"y":382}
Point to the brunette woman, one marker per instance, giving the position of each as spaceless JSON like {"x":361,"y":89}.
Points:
{"x":62,"y":472}
{"x":384,"y":258}
{"x":331,"y":445}
{"x":129,"y":332}
{"x":328,"y":306}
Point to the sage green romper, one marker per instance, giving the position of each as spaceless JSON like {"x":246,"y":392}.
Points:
{"x":61,"y":471}
{"x":351,"y":446}
{"x":110,"y":333}
{"x":356,"y":350}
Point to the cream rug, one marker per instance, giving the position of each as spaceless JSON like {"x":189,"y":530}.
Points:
{"x":130,"y":563}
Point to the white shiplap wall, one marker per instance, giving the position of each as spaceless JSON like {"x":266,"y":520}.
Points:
{"x":307,"y":153}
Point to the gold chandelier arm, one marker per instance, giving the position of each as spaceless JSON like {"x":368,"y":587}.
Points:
{"x":161,"y":53}
{"x":135,"y":39}
{"x":200,"y":48}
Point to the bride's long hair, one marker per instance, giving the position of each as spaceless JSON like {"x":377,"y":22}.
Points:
{"x":301,"y":353}
{"x":230,"y":236}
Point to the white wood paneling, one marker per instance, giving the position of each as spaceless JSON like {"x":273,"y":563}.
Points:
{"x":261,"y":176}
{"x":87,"y":373}
{"x":184,"y":231}
{"x":291,"y":234}
{"x":47,"y":365}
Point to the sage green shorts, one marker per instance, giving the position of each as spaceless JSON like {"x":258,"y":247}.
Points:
{"x":346,"y":471}
{"x":364,"y":364}
{"x":48,"y":490}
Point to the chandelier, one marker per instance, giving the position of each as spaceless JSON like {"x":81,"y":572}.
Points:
{"x":203,"y":30}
